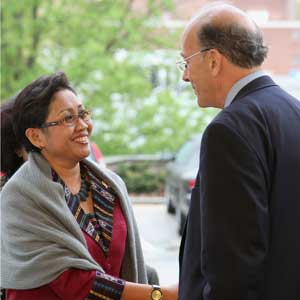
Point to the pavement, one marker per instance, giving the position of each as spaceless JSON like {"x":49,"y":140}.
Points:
{"x":160,"y":240}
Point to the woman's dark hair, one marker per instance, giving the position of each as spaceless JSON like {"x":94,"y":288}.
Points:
{"x":31,"y":106}
{"x":242,"y":46}
{"x":10,"y":161}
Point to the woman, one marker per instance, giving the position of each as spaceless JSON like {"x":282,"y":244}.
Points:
{"x":68,"y":231}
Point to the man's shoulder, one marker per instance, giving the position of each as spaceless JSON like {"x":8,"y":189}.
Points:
{"x":258,"y":115}
{"x":262,"y":103}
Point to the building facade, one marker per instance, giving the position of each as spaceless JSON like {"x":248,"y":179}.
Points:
{"x":279,"y":20}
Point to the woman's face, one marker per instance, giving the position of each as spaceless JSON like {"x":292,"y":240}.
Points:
{"x":66,"y":144}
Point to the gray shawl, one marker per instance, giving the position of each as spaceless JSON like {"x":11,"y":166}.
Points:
{"x":40,"y":237}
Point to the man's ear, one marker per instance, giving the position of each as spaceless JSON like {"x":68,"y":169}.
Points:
{"x":215,"y":61}
{"x":36,"y":137}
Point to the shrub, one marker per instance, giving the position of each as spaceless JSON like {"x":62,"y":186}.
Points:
{"x":143,"y":177}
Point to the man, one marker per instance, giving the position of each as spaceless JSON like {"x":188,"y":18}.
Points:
{"x":242,"y":238}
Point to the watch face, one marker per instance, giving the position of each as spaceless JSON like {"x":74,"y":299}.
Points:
{"x":156,"y":295}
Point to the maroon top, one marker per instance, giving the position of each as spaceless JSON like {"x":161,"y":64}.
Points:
{"x":76,"y":284}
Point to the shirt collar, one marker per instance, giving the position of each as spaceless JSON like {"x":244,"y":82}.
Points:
{"x":240,"y":84}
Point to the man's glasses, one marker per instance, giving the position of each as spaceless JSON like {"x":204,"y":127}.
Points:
{"x":70,"y":120}
{"x":183,"y":62}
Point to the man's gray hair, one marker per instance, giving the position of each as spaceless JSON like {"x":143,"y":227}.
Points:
{"x":242,"y":47}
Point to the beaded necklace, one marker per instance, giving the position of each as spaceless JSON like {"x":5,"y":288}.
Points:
{"x":85,"y":187}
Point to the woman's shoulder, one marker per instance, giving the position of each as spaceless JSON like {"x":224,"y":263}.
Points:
{"x":12,"y":189}
{"x":29,"y":179}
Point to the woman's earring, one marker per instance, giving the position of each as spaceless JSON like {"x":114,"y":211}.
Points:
{"x":19,"y":153}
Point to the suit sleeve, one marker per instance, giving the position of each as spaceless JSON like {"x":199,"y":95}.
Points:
{"x":234,"y":216}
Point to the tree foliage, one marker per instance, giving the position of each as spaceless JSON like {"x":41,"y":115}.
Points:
{"x":95,"y":42}
{"x":297,"y":10}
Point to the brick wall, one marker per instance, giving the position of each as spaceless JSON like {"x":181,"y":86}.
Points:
{"x":278,"y":9}
{"x":284,"y":49}
{"x":283,"y":38}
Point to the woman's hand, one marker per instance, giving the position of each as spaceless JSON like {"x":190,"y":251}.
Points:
{"x":134,"y":291}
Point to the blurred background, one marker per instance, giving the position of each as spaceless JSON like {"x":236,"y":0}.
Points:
{"x":120,"y":57}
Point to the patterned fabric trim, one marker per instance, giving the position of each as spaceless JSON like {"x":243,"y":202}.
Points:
{"x":106,"y":287}
{"x":97,"y":225}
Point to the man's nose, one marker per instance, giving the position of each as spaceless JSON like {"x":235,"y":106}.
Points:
{"x":185,"y":76}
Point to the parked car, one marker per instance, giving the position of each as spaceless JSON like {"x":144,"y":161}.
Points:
{"x":96,"y":154}
{"x":180,"y":179}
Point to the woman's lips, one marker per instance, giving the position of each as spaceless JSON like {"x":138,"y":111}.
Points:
{"x":82,"y":140}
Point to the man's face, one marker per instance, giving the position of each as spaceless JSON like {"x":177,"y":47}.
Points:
{"x":197,"y":70}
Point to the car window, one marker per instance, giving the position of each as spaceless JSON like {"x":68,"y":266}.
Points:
{"x":193,"y":159}
{"x":184,"y":153}
{"x":188,"y":154}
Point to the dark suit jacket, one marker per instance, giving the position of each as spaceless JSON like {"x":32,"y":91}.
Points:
{"x":242,"y":238}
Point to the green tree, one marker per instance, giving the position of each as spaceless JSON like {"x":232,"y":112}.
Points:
{"x":297,"y":11}
{"x":96,"y":42}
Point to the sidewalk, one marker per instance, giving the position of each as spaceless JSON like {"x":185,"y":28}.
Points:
{"x":147,"y":199}
{"x":159,"y":237}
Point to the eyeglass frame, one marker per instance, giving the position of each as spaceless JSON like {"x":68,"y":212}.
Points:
{"x":62,"y":121}
{"x":182,"y":63}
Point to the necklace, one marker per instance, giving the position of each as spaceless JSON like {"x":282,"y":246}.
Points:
{"x":85,"y":187}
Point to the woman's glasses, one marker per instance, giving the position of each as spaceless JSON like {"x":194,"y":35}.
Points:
{"x":70,"y":120}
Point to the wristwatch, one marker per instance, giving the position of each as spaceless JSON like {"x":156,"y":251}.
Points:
{"x":156,"y":293}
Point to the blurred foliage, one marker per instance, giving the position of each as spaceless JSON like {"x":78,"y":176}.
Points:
{"x":297,"y":12}
{"x":143,"y":177}
{"x":95,"y":42}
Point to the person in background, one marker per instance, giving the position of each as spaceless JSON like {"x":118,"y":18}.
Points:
{"x":242,"y":237}
{"x":12,"y":153}
{"x":68,"y":230}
